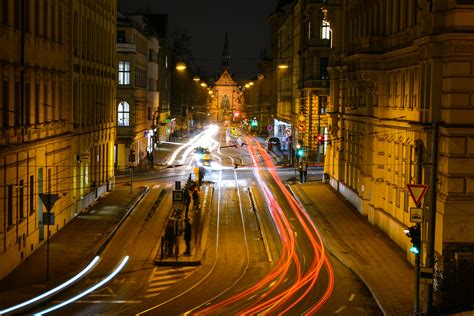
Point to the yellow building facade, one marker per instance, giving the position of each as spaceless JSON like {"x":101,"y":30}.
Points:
{"x":40,"y":145}
{"x":301,"y":44}
{"x":397,"y":68}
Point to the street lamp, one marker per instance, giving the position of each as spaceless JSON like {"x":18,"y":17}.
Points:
{"x":180,"y":66}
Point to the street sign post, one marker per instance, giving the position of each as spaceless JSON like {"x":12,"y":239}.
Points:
{"x":48,"y":200}
{"x":417,"y":191}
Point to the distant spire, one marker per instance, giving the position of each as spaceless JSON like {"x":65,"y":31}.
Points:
{"x":226,"y":53}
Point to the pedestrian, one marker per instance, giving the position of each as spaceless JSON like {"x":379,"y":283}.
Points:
{"x":202,"y":172}
{"x":187,"y":200}
{"x":196,"y":203}
{"x":300,"y":169}
{"x":305,"y":171}
{"x":169,"y":238}
{"x":187,"y":236}
{"x":196,"y":175}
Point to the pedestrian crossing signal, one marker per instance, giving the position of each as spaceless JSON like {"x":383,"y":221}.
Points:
{"x":414,"y":232}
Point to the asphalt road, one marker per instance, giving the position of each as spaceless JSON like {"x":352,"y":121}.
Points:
{"x":262,"y":254}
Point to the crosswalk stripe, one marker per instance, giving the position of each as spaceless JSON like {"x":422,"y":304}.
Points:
{"x":157,"y":289}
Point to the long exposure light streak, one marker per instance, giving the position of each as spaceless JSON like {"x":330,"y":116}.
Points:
{"x":304,"y":279}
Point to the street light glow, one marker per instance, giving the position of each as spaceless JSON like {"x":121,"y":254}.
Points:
{"x":180,"y":66}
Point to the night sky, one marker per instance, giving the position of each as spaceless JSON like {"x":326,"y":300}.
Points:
{"x":208,"y":20}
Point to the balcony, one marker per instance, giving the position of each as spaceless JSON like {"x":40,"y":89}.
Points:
{"x":313,"y":83}
{"x":126,"y":48}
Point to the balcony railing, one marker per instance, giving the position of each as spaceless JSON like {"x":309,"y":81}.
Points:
{"x":126,"y":48}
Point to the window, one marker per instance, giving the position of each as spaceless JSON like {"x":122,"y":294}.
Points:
{"x":123,"y":114}
{"x":5,"y":12}
{"x":32,"y":194}
{"x":323,"y":67}
{"x":325,"y":30}
{"x":6,"y":106}
{"x":21,"y":196}
{"x":120,"y":36}
{"x":124,"y":73}
{"x":17,"y":113}
{"x":10,"y":205}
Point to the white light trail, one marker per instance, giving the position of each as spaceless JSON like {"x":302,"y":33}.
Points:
{"x":89,"y":290}
{"x":52,"y":291}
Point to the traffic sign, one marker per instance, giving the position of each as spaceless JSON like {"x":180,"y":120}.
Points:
{"x":302,"y":127}
{"x":416,"y":215}
{"x":48,"y":199}
{"x":417,"y":191}
{"x":426,"y":275}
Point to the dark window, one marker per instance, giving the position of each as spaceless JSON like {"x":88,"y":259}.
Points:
{"x":37,"y":102}
{"x":120,"y":36}
{"x":53,"y":21}
{"x":323,"y":64}
{"x":45,"y":102}
{"x":27,"y":103}
{"x":45,"y":18}
{"x":17,"y":105}
{"x":16,"y":14}
{"x":37,"y":17}
{"x":5,"y":12}
{"x":21,"y":196}
{"x":10,"y":205}
{"x":27,"y":16}
{"x":32,"y":194}
{"x":5,"y":107}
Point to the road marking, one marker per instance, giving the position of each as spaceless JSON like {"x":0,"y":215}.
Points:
{"x":107,"y":291}
{"x":340,"y":309}
{"x":160,"y":279}
{"x":352,"y":297}
{"x":110,"y":302}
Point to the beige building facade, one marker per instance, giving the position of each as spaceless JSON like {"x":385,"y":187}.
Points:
{"x":132,"y":96}
{"x":301,"y":44}
{"x":397,"y":67}
{"x":49,"y":143}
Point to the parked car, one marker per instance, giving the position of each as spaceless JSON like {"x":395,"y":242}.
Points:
{"x":273,"y":142}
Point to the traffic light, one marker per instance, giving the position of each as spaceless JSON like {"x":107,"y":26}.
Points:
{"x":414,"y":232}
{"x":300,"y":152}
{"x":320,"y":138}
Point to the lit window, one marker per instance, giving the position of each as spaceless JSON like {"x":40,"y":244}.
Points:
{"x":325,"y":30}
{"x":123,"y":114}
{"x":124,"y":73}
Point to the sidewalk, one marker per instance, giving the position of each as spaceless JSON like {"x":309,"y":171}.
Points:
{"x":362,"y":247}
{"x":70,"y":249}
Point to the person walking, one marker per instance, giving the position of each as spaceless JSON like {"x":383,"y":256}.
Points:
{"x":300,"y":170}
{"x":187,"y":236}
{"x":187,"y":201}
{"x":196,"y":203}
{"x":202,"y":172}
{"x":305,"y":171}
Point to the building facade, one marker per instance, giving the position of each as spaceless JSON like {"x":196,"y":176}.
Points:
{"x":51,"y":68}
{"x":301,"y":43}
{"x":399,"y":68}
{"x":132,"y":97}
{"x":92,"y":85}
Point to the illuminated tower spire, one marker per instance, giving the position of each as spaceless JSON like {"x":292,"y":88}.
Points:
{"x":226,"y":54}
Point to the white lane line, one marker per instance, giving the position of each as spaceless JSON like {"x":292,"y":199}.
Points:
{"x":340,"y":309}
{"x":351,"y":298}
{"x":110,"y":302}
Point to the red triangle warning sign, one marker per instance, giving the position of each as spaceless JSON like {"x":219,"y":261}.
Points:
{"x":417,"y":191}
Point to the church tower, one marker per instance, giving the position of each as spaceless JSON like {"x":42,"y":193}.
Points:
{"x":227,"y":104}
{"x":226,"y":54}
